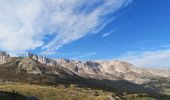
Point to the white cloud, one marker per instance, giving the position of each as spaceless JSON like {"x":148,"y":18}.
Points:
{"x":24,"y":24}
{"x":153,"y":59}
{"x":108,"y":33}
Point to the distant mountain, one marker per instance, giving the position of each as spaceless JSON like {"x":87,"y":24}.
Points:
{"x":110,"y":70}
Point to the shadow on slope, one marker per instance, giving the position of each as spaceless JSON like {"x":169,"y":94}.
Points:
{"x":11,"y":96}
{"x":122,"y":86}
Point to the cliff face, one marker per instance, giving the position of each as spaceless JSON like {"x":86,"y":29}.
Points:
{"x":42,"y":59}
{"x":4,"y":57}
{"x":34,"y":64}
{"x":29,"y":65}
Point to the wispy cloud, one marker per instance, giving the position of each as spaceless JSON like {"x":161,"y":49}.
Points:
{"x":154,"y":59}
{"x":24,"y":24}
{"x":108,"y":33}
{"x":55,"y":52}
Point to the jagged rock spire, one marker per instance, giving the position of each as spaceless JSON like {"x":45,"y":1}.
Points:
{"x":42,"y":59}
{"x":4,"y":57}
{"x":29,"y":54}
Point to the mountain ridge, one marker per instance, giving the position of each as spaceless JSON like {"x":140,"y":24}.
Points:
{"x":110,"y":70}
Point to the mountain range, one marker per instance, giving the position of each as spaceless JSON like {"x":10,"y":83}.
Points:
{"x":112,"y":74}
{"x":111,"y":70}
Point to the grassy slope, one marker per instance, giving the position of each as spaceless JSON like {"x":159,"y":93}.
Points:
{"x":62,"y":93}
{"x":56,"y":93}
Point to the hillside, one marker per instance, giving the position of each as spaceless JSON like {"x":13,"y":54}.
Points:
{"x":110,"y":76}
{"x":72,"y":92}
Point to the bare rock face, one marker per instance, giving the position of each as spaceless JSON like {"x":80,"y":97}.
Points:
{"x":80,"y":67}
{"x":38,"y":65}
{"x":4,"y":57}
{"x":159,"y":72}
{"x":112,"y":70}
{"x":42,"y":59}
{"x":29,"y":65}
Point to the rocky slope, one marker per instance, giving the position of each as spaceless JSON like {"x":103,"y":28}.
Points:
{"x":65,"y":68}
{"x":112,"y":70}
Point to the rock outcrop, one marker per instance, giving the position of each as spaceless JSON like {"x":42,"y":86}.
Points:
{"x":29,"y":65}
{"x":42,"y":59}
{"x":4,"y":57}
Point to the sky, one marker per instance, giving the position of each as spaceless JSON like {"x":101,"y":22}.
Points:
{"x":136,"y":31}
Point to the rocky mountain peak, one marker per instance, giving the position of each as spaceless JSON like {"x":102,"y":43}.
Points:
{"x":4,"y":57}
{"x":63,"y":60}
{"x":42,"y":59}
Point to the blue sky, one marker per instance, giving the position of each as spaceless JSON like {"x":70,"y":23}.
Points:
{"x":137,"y":31}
